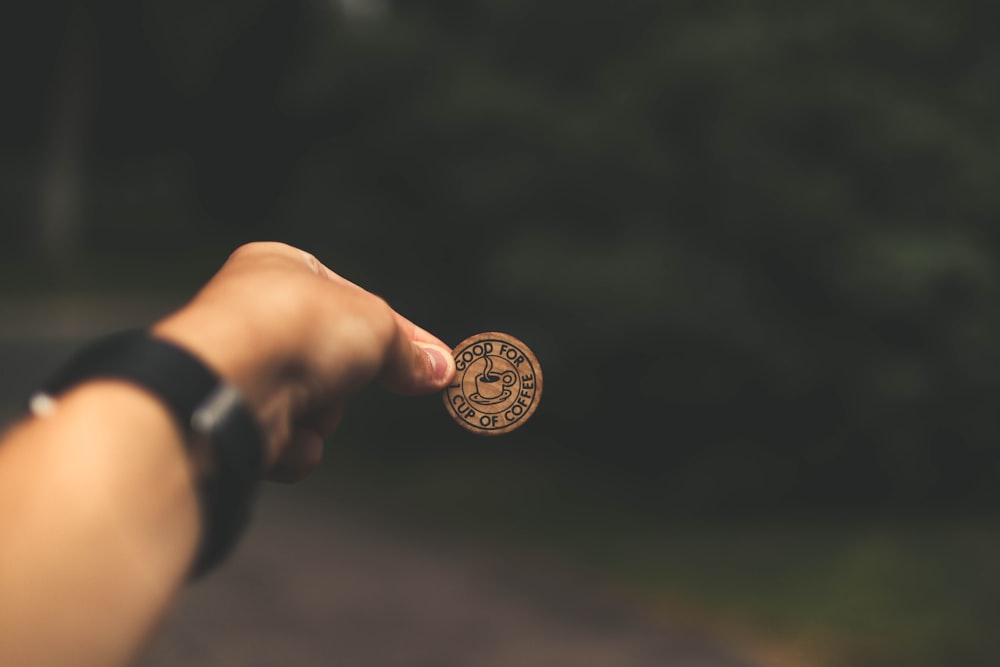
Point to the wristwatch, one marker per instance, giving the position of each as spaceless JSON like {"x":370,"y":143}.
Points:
{"x":222,"y":435}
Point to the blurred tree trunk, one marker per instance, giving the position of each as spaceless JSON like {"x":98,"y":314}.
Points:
{"x":71,"y":109}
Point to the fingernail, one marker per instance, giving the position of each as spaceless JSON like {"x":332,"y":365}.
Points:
{"x":439,"y":358}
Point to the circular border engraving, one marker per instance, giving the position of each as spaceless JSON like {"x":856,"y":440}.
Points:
{"x":497,"y":385}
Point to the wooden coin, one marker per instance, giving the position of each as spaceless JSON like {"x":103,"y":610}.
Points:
{"x":497,"y":385}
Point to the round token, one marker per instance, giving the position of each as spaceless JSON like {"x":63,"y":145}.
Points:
{"x":497,"y":385}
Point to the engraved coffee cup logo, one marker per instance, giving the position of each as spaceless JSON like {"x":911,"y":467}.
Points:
{"x":493,"y":386}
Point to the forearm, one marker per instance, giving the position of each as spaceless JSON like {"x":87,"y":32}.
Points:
{"x":98,"y":525}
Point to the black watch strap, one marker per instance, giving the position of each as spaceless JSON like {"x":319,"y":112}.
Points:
{"x":222,"y":435}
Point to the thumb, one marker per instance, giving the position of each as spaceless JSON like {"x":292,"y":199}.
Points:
{"x":417,"y":367}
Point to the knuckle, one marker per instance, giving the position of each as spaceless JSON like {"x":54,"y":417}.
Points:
{"x":312,"y":263}
{"x":257,"y":248}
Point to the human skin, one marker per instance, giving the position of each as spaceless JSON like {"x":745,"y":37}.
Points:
{"x":99,"y":517}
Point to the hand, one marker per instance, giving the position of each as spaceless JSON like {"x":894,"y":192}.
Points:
{"x":297,"y":338}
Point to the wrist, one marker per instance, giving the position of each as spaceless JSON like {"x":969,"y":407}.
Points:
{"x":230,"y":348}
{"x":222,"y":436}
{"x":249,"y":352}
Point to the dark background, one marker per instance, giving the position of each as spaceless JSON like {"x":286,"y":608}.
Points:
{"x":754,"y":247}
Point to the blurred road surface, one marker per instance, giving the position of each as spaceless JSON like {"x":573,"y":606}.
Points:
{"x":316,"y":584}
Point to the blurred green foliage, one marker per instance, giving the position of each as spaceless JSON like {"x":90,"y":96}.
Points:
{"x":753,"y":245}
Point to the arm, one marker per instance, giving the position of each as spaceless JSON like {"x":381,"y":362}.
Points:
{"x":98,"y":512}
